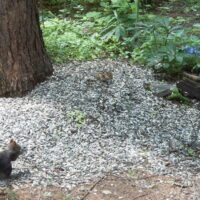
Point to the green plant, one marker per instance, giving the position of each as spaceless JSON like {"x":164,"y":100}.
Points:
{"x":191,"y":153}
{"x":162,"y":47}
{"x":121,"y":14}
{"x":177,"y":96}
{"x":78,"y":117}
{"x":65,"y":198}
{"x":133,"y":173}
{"x":69,"y":40}
{"x":127,"y":31}
{"x":11,"y":195}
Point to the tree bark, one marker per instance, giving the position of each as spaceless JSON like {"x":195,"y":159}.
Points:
{"x":23,"y":59}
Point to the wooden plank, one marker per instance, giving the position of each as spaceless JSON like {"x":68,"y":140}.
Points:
{"x":189,"y":86}
{"x":191,"y":76}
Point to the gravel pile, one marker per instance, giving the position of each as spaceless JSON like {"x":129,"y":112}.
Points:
{"x":75,"y":127}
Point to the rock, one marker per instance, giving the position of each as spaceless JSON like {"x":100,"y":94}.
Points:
{"x":83,"y":189}
{"x":48,"y":194}
{"x":106,"y":192}
{"x":162,"y":90}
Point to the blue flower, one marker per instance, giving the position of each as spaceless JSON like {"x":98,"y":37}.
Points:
{"x":195,"y":50}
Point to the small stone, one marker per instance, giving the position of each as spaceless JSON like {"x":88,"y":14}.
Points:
{"x":83,"y":189}
{"x":106,"y":192}
{"x":48,"y":194}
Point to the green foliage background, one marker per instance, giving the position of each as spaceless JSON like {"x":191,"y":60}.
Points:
{"x":90,"y":29}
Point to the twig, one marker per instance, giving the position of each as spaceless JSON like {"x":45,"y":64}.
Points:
{"x":140,"y":196}
{"x":147,"y":177}
{"x":136,"y":178}
{"x":93,"y":186}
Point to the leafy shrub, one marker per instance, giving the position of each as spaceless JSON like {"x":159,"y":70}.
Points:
{"x":157,"y":43}
{"x":120,"y":15}
{"x":72,"y":40}
{"x":162,"y":47}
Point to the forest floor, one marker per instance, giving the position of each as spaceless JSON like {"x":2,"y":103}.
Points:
{"x":135,"y":185}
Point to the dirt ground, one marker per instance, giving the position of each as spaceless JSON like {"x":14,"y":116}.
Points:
{"x":138,"y":185}
{"x":132,"y":185}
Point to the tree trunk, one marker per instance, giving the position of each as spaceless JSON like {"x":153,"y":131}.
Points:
{"x":23,"y":59}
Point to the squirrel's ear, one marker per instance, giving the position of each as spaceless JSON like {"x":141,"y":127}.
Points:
{"x":12,"y":141}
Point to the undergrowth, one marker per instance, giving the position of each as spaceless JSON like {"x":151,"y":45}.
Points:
{"x":122,"y":28}
{"x":68,"y":40}
{"x":76,"y":40}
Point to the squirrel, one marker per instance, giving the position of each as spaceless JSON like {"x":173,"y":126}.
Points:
{"x":6,"y":156}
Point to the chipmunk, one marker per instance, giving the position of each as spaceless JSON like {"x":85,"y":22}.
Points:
{"x":105,"y":76}
{"x":6,"y":156}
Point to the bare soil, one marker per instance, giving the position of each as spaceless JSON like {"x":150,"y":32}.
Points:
{"x":133,"y":185}
{"x":141,"y":186}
